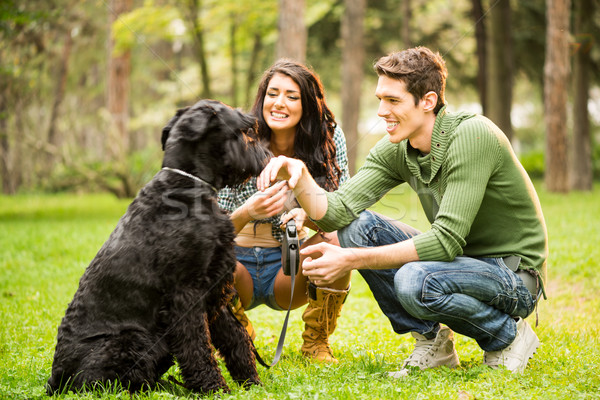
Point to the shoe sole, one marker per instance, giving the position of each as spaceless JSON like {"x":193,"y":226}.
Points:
{"x":531,"y":350}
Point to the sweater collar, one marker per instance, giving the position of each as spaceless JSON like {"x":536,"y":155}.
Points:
{"x":425,"y":167}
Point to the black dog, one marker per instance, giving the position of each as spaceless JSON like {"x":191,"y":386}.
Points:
{"x":158,"y":288}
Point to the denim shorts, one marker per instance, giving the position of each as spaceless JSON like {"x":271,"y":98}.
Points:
{"x":263,"y":264}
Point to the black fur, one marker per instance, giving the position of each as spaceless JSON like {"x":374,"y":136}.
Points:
{"x":158,"y":288}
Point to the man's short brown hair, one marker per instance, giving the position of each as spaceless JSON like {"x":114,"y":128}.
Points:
{"x":420,"y":69}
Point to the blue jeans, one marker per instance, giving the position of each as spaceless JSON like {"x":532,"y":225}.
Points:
{"x":263,"y":264}
{"x":476,"y":297}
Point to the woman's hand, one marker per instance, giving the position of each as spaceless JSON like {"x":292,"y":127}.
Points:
{"x":267,"y":203}
{"x":298,"y":215}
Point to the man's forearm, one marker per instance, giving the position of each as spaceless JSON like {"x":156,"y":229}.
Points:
{"x":385,"y":257}
{"x":327,"y":263}
{"x":311,"y":196}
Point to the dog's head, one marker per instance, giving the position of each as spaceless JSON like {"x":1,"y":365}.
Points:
{"x":214,"y":142}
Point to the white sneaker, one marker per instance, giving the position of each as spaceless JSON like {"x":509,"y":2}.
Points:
{"x":431,"y":353}
{"x":516,"y":356}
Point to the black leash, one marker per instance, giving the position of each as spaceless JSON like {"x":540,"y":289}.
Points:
{"x":290,"y":262}
{"x":279,"y":349}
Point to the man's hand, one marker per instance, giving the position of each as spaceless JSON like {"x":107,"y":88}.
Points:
{"x":289,"y":169}
{"x":310,"y":195}
{"x":326,"y":263}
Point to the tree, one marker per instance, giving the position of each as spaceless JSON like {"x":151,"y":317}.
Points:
{"x":233,"y":53}
{"x":480,"y":39}
{"x":529,"y":24}
{"x":500,"y":66}
{"x":291,"y":42}
{"x":406,"y":28}
{"x":582,"y":177}
{"x":191,"y":11}
{"x":556,"y":74}
{"x":119,"y":67}
{"x":23,"y":46}
{"x":252,"y":68}
{"x":352,"y":73}
{"x":59,"y":95}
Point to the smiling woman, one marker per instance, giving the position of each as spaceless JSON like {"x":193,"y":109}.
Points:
{"x":282,"y":110}
{"x":294,"y":121}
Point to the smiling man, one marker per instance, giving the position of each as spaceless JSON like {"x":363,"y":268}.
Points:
{"x":480,"y":269}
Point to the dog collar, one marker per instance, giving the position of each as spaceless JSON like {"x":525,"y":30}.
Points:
{"x":180,"y":172}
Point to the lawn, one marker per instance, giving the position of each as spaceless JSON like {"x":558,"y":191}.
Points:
{"x":47,"y":241}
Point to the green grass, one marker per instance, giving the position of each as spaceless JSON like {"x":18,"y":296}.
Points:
{"x":46,"y":243}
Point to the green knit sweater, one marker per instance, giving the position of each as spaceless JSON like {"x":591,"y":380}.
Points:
{"x":475,"y":193}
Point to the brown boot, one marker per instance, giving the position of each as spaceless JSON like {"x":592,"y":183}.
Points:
{"x":320,"y":319}
{"x":238,"y":311}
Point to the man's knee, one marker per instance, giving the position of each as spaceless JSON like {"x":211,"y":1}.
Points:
{"x":355,"y":234}
{"x":408,"y":285}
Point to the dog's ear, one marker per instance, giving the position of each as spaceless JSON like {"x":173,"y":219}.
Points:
{"x":167,"y":129}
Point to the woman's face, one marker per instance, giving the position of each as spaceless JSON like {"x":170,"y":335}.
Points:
{"x":282,"y":107}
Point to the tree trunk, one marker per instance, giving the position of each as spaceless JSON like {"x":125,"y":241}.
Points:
{"x":406,"y":18}
{"x":581,"y":177}
{"x":234,"y":56}
{"x":500,"y":67}
{"x":292,"y":30}
{"x":7,"y":184}
{"x":353,"y":55}
{"x":193,"y":17}
{"x":119,"y":68}
{"x":480,"y":38}
{"x":556,"y":75}
{"x":254,"y":58}
{"x":5,"y":148}
{"x":21,"y":164}
{"x":59,"y":95}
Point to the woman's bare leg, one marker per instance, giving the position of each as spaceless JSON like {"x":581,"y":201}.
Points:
{"x":242,"y":281}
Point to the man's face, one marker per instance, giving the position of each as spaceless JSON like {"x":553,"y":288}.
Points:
{"x":404,"y":119}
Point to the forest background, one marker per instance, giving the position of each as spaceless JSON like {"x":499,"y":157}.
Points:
{"x":86,"y":86}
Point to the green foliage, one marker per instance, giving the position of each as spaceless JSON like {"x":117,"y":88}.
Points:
{"x":240,"y":38}
{"x":529,"y":35}
{"x":146,"y":25}
{"x":533,"y":162}
{"x":122,"y":179}
{"x":47,"y":242}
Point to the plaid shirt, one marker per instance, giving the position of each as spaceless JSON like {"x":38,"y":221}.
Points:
{"x":231,"y":199}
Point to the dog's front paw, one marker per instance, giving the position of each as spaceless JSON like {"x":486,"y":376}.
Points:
{"x":209,"y":389}
{"x":215,"y":390}
{"x":247,"y":384}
